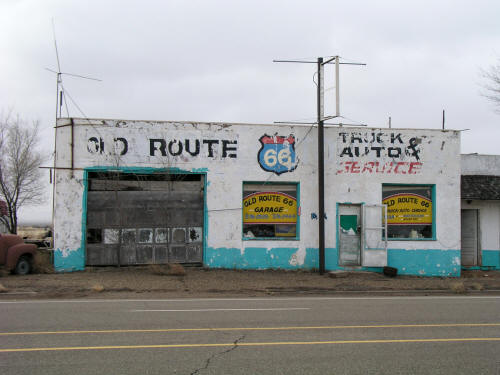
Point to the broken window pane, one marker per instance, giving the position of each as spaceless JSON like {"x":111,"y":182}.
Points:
{"x":195,"y":234}
{"x":145,"y":235}
{"x":161,"y":235}
{"x":128,"y":236}
{"x":111,"y":236}
{"x":94,"y":235}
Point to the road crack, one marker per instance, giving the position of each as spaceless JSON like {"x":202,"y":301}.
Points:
{"x":209,"y":359}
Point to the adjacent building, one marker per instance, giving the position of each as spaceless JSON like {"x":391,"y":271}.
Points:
{"x":480,"y":211}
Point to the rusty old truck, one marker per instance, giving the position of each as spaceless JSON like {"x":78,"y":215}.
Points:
{"x":15,"y":255}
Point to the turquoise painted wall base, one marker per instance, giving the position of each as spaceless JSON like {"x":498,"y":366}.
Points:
{"x":73,"y":261}
{"x":408,"y":262}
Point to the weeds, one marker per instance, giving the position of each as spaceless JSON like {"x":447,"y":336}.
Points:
{"x":477,"y":286}
{"x":171,"y":269}
{"x":42,"y":263}
{"x":457,"y":287}
{"x":98,"y":288}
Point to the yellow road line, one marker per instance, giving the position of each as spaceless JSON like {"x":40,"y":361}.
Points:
{"x":169,"y":346}
{"x":251,"y":328}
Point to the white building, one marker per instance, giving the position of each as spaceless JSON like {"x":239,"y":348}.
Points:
{"x":245,"y":196}
{"x":481,"y":211}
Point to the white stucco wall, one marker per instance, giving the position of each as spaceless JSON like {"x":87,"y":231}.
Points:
{"x":404,"y":156}
{"x":489,"y":230}
{"x":489,"y":210}
{"x":438,"y":163}
{"x":477,"y":164}
{"x":489,"y":222}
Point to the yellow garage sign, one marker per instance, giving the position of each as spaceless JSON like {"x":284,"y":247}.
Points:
{"x":269,"y":208}
{"x":408,"y":209}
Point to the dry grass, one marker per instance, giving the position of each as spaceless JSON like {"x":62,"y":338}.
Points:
{"x":171,"y":269}
{"x":98,"y":288}
{"x":176,"y":270}
{"x":4,"y":272}
{"x":42,"y":263}
{"x":457,"y":287}
{"x":477,"y":286}
{"x":3,"y":289}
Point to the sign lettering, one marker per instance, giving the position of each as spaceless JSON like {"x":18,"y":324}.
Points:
{"x":269,"y":208}
{"x":408,"y":209}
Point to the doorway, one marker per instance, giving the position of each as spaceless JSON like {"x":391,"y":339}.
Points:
{"x":349,"y":232}
{"x":470,"y":237}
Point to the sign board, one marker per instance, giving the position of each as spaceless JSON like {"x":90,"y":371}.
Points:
{"x":408,"y":209}
{"x":269,"y":208}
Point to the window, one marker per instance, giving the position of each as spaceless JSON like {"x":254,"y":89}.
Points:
{"x":410,"y":211}
{"x":270,"y":211}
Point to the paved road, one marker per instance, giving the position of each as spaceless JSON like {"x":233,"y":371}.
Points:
{"x":380,"y":335}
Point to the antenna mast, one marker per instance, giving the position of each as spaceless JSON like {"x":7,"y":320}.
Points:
{"x":321,"y":118}
{"x":59,"y":102}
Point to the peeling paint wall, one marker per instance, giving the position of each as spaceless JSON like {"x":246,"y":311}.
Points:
{"x":357,"y":162}
{"x":69,"y":254}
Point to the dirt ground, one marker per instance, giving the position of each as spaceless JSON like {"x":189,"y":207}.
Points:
{"x":179,"y":282}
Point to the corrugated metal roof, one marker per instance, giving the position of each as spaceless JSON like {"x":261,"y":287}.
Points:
{"x":481,"y":187}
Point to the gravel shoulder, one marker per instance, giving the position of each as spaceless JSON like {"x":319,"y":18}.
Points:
{"x":190,"y":282}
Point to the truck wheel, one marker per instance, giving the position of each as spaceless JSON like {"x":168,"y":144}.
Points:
{"x":23,"y":266}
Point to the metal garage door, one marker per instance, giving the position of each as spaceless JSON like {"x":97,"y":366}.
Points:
{"x":144,"y":219}
{"x":470,"y":230}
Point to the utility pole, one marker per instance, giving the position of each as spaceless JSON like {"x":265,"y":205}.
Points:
{"x":321,"y":140}
{"x":321,"y":167}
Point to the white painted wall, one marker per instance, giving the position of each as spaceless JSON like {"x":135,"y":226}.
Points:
{"x":489,"y":222}
{"x":489,"y":210}
{"x":438,"y":163}
{"x":477,"y":164}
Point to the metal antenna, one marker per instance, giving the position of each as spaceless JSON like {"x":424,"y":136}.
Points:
{"x":60,"y":94}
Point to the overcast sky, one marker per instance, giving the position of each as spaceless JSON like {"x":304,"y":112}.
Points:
{"x":212,"y":61}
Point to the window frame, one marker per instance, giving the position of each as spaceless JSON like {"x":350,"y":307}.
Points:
{"x":434,"y":217}
{"x":271,"y":184}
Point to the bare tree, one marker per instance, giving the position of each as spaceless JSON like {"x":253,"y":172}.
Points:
{"x":492,"y":85}
{"x":20,"y":162}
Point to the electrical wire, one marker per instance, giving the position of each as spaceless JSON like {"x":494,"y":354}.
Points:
{"x":81,"y":111}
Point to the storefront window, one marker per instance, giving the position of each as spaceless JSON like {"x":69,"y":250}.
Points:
{"x":270,"y":211}
{"x":409,"y":211}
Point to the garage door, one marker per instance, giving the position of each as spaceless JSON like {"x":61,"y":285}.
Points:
{"x":144,"y":219}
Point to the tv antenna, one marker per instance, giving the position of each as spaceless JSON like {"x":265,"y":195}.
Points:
{"x":60,"y":90}
{"x":61,"y":93}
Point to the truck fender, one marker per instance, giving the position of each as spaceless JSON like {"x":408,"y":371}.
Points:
{"x":16,"y":251}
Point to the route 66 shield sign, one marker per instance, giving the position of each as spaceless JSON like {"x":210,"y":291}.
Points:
{"x":277,"y":154}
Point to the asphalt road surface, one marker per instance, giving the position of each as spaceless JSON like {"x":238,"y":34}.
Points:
{"x":338,"y":335}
